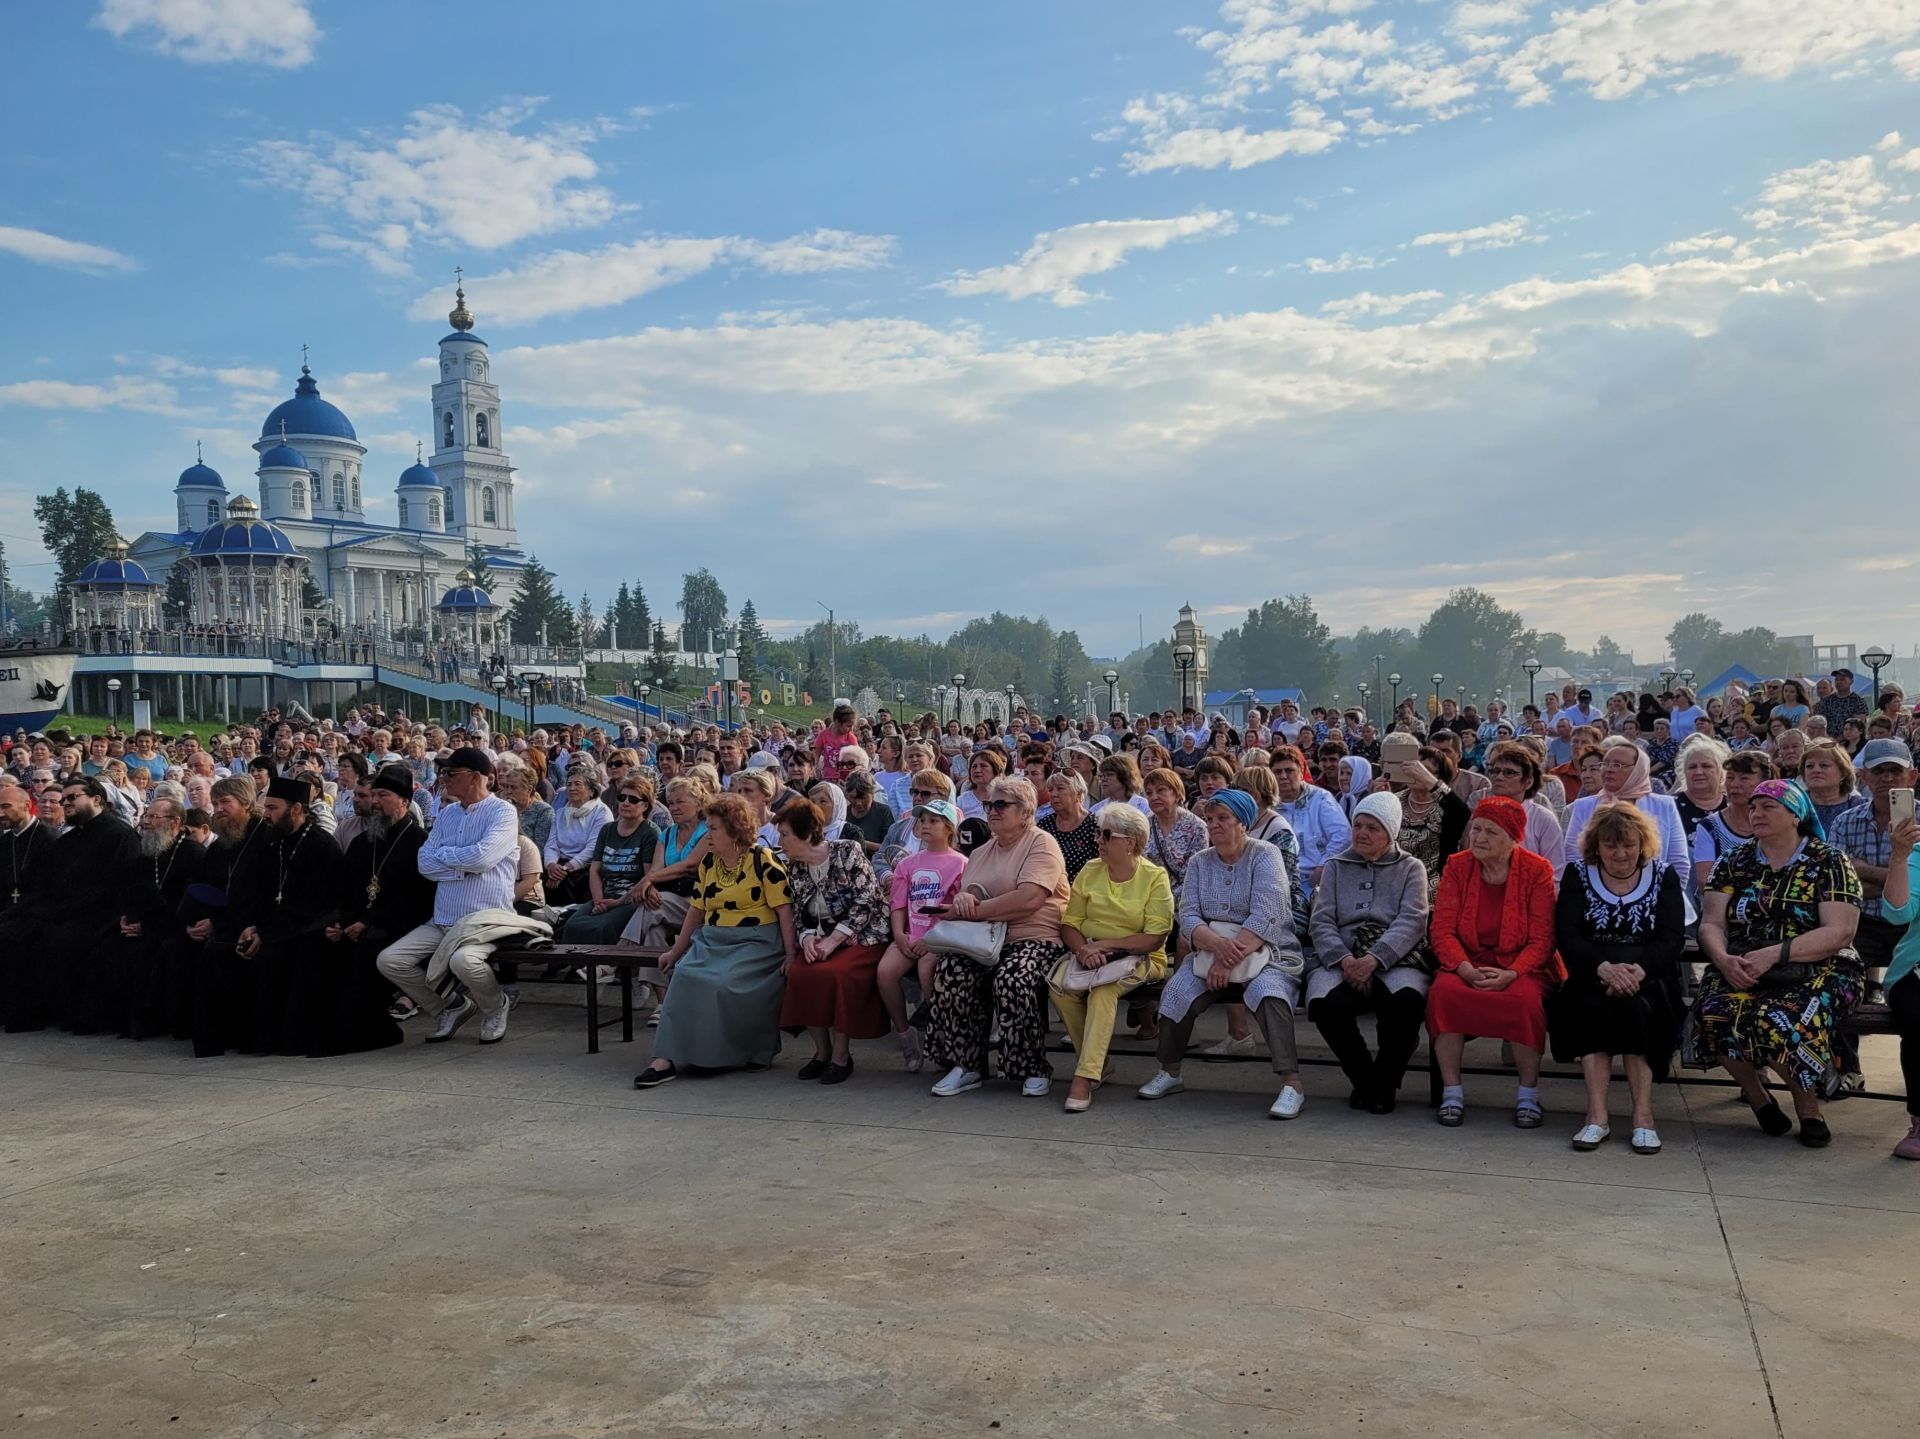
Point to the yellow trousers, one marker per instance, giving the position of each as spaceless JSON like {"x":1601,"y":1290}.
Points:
{"x":1089,"y":1015}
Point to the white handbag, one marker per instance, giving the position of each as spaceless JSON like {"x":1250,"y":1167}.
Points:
{"x":979,"y":940}
{"x":1076,"y":978}
{"x":1246,"y":969}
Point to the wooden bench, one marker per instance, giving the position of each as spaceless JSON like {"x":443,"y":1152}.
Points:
{"x":626,"y":962}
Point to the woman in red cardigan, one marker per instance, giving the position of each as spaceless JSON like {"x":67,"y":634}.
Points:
{"x":1493,"y":935}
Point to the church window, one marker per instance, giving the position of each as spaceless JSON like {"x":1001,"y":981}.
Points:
{"x":433,"y":512}
{"x":356,"y":492}
{"x":488,"y":514}
{"x":447,"y":421}
{"x":339,"y":491}
{"x":480,"y":423}
{"x":213,"y":512}
{"x":403,"y":514}
{"x":299,"y":495}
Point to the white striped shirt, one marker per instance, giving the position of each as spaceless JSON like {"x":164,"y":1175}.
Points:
{"x":474,"y":855}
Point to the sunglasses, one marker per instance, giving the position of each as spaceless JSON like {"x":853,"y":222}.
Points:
{"x":922,"y":793}
{"x":633,"y":799}
{"x":996,"y":805}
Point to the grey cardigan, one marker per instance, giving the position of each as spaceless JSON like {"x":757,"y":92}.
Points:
{"x":1353,"y":891}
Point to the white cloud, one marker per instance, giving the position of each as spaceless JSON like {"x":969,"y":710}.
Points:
{"x":1058,"y":260}
{"x":1700,"y":245}
{"x":1342,"y":264}
{"x":566,"y":282}
{"x":280,"y":33}
{"x":1833,"y":197}
{"x":1206,"y":547}
{"x":122,"y":392}
{"x":44,"y":249}
{"x":1367,"y":304}
{"x":481,"y":183}
{"x":1500,"y":235}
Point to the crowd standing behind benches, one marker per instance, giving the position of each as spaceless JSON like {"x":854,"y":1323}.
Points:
{"x":306,"y":887}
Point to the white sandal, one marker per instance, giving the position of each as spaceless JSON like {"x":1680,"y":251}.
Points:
{"x":1591,"y":1137}
{"x":1645,"y":1141}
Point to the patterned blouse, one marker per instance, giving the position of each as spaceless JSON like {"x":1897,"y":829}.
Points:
{"x":841,"y":892}
{"x":1767,"y":905}
{"x":1078,"y":847}
{"x":1171,"y":848}
{"x":743,"y":895}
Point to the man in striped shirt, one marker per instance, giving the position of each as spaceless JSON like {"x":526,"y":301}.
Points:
{"x":472,"y":854}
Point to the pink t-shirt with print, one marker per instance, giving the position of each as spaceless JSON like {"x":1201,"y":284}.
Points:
{"x":925,"y":879}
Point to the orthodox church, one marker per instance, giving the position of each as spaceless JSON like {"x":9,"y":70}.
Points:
{"x":249,"y":563}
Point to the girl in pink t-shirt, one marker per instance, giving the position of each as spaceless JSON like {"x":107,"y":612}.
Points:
{"x":920,"y":881}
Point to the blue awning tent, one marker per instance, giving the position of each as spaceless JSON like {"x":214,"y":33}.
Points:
{"x":1719,"y":682}
{"x":1218,"y":699}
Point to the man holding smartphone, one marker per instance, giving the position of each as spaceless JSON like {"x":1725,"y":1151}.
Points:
{"x":1886,"y":765}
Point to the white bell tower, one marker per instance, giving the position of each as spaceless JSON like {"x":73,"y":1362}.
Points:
{"x":467,"y":458}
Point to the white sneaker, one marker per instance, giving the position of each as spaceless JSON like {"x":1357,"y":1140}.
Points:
{"x":911,"y":1054}
{"x":1288,"y":1105}
{"x":1035,"y":1086}
{"x":451,"y":1019}
{"x":1246,"y":1044}
{"x":493,"y":1028}
{"x":1591,"y":1137}
{"x":1645,"y":1141}
{"x":1161,"y":1085}
{"x":958,"y":1081}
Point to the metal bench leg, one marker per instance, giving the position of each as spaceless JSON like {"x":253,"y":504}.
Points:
{"x":626,"y":1004}
{"x":593,"y":1009}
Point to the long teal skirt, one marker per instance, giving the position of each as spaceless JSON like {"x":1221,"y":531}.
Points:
{"x":722,"y":1008}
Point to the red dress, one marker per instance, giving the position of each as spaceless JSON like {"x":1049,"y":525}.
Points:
{"x":1503,"y":926}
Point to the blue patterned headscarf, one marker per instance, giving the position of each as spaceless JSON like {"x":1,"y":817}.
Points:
{"x":1243,"y":805}
{"x":1791,"y":795}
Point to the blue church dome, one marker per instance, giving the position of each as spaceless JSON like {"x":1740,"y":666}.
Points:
{"x":467,"y":597}
{"x":243,"y":535}
{"x":284,"y":457}
{"x":464,"y":335}
{"x":417,"y":474}
{"x":115,"y":572}
{"x":307,"y":414}
{"x":203,"y":475}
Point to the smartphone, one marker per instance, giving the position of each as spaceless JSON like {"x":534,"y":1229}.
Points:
{"x":1899,"y":807}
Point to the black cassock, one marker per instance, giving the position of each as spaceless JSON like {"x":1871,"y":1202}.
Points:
{"x":290,"y":904}
{"x":83,"y":873}
{"x":148,"y":964}
{"x":212,"y":981}
{"x":381,"y":887}
{"x":25,"y":906}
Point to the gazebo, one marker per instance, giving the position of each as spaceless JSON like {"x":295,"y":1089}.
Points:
{"x":116,"y":593}
{"x":467,"y":612}
{"x":245,"y":571}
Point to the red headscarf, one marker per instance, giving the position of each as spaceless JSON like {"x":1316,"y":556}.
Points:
{"x":1509,"y":814}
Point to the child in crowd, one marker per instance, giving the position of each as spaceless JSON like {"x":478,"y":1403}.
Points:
{"x":920,"y":882}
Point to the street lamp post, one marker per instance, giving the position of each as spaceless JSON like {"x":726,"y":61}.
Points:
{"x":1686,"y":678}
{"x":1461,"y":692}
{"x":645,"y":690}
{"x":1112,"y":677}
{"x":1666,"y":680}
{"x":1366,"y":692}
{"x":1009,"y":714}
{"x":1532,"y":667}
{"x":1876,"y":660}
{"x":1394,"y":680}
{"x":526,"y":704}
{"x":500,"y":697}
{"x":1183,"y":658}
{"x":1379,"y":688}
{"x":113,"y":698}
{"x":959,"y":684}
{"x":1437,"y":677}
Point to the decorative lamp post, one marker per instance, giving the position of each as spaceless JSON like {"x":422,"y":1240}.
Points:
{"x":1461,"y":691}
{"x":1009,"y":714}
{"x":644,"y":691}
{"x":1112,"y":677}
{"x":526,"y":704}
{"x":1876,"y":660}
{"x":959,"y":683}
{"x":1394,"y":680}
{"x":1378,"y":688}
{"x":1437,"y":677}
{"x":113,"y":697}
{"x":1365,"y":691}
{"x":1532,"y":667}
{"x":1183,"y":659}
{"x":1666,"y":680}
{"x":500,"y":697}
{"x":1686,"y":678}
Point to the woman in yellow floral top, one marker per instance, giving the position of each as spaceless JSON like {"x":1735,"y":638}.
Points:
{"x":728,"y":965}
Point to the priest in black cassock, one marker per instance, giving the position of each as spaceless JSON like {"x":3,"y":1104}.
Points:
{"x":83,"y":869}
{"x":285,"y":916}
{"x":153,"y":930}
{"x":24,"y":906}
{"x":382,"y":896}
{"x":217,"y":909}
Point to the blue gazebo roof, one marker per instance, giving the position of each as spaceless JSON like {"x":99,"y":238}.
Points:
{"x":114,"y":573}
{"x":244,"y":538}
{"x":466,"y":598}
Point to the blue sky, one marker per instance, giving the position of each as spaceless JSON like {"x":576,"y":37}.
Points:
{"x":1075,"y":308}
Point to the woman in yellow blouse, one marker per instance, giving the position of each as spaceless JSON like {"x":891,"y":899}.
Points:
{"x":1116,"y":926}
{"x":728,"y":966}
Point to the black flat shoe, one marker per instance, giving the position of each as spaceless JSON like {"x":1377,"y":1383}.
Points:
{"x":838,"y":1073}
{"x":812,"y":1069}
{"x":1358,"y":1100}
{"x":1815,"y":1134}
{"x":1382,"y":1104}
{"x":654,"y":1078}
{"x":1773,"y":1120}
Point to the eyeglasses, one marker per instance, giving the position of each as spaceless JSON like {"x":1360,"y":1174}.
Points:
{"x":921,"y":793}
{"x":633,"y":799}
{"x":996,"y":805}
{"x":1107,"y":834}
{"x":1505,"y":769}
{"x":616,"y":764}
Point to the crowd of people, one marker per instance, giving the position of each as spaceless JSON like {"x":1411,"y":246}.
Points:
{"x":310,"y":887}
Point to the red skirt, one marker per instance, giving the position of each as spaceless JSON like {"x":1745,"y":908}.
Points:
{"x":837,"y":993}
{"x":1517,"y":1014}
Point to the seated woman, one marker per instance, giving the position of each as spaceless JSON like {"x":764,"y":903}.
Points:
{"x":1625,"y":779}
{"x":840,"y":914}
{"x":1826,"y":772}
{"x":1175,"y":833}
{"x":982,"y":770}
{"x":576,"y":829}
{"x":1514,"y":771}
{"x":1017,"y":877}
{"x":1370,"y":952}
{"x":1121,"y":910}
{"x":758,"y":788}
{"x":728,"y":963}
{"x":1621,"y":924}
{"x":1777,"y":925}
{"x":627,"y":848}
{"x":1119,"y":780}
{"x":1070,"y":823}
{"x":1432,"y":816}
{"x":869,"y":817}
{"x":1210,"y":776}
{"x":1492,"y":934}
{"x":1232,"y":908}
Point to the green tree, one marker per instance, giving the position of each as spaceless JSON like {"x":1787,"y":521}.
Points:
{"x":637,"y":618}
{"x":1060,"y":681}
{"x":311,"y":595}
{"x":478,"y":563}
{"x":1475,"y":642}
{"x":586,"y":625}
{"x":814,"y":677}
{"x":177,"y":602}
{"x":659,"y":663}
{"x":1691,"y":637}
{"x":74,"y":528}
{"x":1283,"y":642}
{"x":703,"y":609}
{"x":751,"y":640}
{"x":538,"y":604}
{"x":1607,"y":655}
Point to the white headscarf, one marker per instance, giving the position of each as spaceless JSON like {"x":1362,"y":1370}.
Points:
{"x":837,"y":819}
{"x":1359,"y":777}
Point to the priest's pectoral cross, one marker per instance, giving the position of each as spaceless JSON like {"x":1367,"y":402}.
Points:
{"x":373,"y":889}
